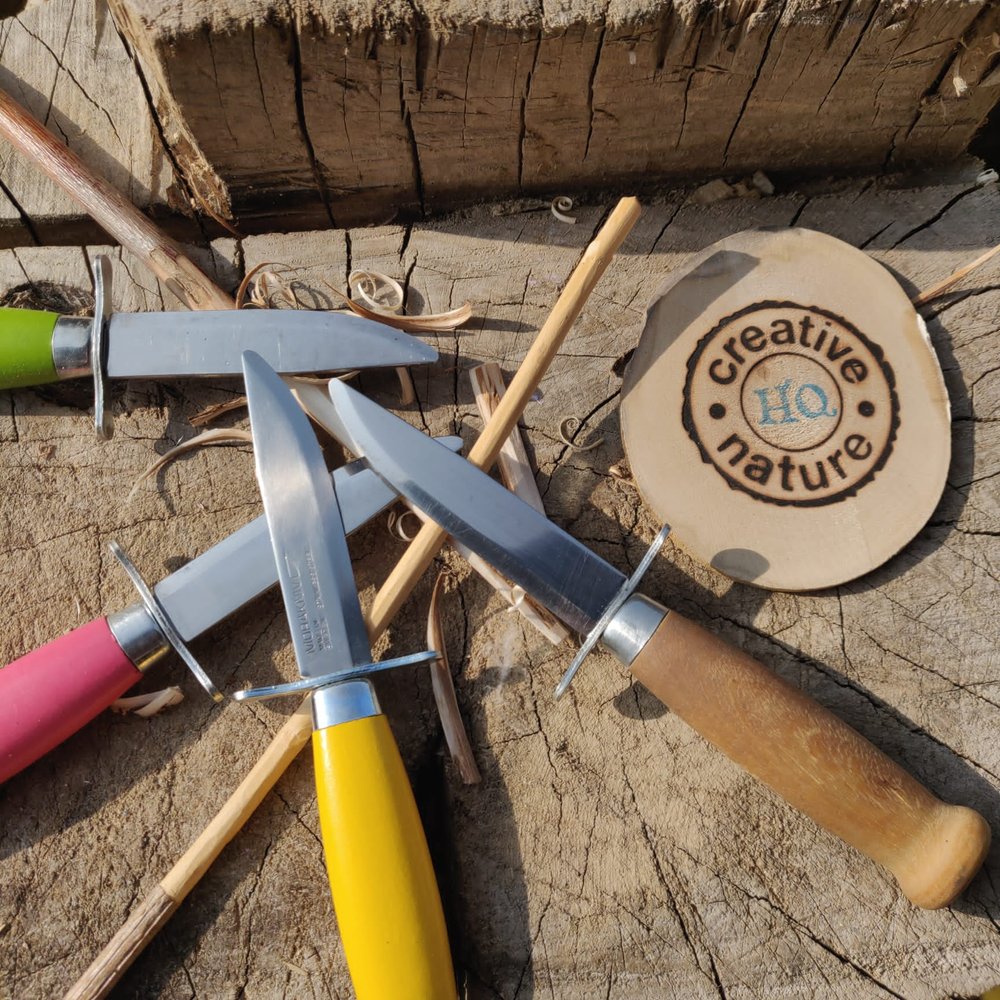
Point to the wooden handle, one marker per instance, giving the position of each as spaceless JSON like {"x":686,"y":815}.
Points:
{"x":814,"y":761}
{"x":119,"y":953}
{"x":107,"y":206}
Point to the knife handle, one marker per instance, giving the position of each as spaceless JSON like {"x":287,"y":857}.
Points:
{"x":49,"y":694}
{"x":814,"y":761}
{"x":384,"y":890}
{"x":26,"y":347}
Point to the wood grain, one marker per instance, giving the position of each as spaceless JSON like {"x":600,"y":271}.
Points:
{"x":608,"y":850}
{"x":814,"y":761}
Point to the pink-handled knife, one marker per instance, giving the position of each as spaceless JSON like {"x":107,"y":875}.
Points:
{"x":49,"y":694}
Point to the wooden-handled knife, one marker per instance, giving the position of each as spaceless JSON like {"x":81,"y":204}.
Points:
{"x":384,"y":890}
{"x":787,"y":740}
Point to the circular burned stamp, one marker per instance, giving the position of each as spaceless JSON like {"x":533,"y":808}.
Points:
{"x":791,"y":404}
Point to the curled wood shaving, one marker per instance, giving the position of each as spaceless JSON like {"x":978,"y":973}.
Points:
{"x":560,"y":206}
{"x":216,"y":410}
{"x":444,"y":692}
{"x":376,"y":290}
{"x":149,"y":704}
{"x":572,"y":425}
{"x":427,"y":323}
{"x":217,"y":436}
{"x":396,"y":523}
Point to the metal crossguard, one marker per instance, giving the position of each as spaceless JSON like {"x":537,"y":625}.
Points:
{"x":325,"y":680}
{"x":103,"y":423}
{"x":594,"y":635}
{"x":159,"y":615}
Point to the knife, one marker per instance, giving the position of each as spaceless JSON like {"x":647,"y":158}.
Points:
{"x":384,"y":891}
{"x":796,"y":747}
{"x":48,"y":694}
{"x":37,"y":347}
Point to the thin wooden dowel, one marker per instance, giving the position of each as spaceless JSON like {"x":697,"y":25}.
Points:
{"x":110,"y":208}
{"x":296,"y":731}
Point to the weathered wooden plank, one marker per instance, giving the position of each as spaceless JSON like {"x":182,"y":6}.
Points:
{"x":609,"y":851}
{"x":66,"y":63}
{"x":378,"y":111}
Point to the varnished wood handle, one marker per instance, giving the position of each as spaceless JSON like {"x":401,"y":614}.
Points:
{"x":814,"y":761}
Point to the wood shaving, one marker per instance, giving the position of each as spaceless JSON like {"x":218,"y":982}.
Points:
{"x":149,"y":704}
{"x":205,"y":438}
{"x":572,"y":425}
{"x":376,"y":290}
{"x":216,"y":410}
{"x":560,"y":206}
{"x":444,"y":692}
{"x":396,"y":523}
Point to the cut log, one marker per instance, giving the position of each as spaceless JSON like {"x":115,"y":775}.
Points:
{"x":608,"y":851}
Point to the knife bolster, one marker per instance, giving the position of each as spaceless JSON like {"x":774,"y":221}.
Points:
{"x":344,"y":702}
{"x":138,"y":635}
{"x":71,"y":346}
{"x":629,"y":631}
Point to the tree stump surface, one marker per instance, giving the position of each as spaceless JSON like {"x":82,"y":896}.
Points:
{"x":609,"y":851}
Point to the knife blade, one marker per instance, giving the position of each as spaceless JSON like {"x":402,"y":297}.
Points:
{"x":796,"y":747}
{"x":37,"y":347}
{"x":384,"y":891}
{"x":50,"y":693}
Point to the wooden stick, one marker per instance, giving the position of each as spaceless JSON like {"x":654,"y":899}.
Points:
{"x":953,"y":279}
{"x":142,"y":926}
{"x":515,"y":470}
{"x":108,"y":207}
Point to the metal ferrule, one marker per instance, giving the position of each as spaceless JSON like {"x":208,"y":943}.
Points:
{"x":633,"y":626}
{"x":71,"y":346}
{"x":138,"y":635}
{"x":344,"y":702}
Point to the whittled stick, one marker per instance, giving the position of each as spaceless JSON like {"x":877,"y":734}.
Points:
{"x":112,"y":210}
{"x":515,"y":470}
{"x":131,"y":939}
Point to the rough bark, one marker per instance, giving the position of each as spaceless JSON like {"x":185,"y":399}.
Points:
{"x":609,"y":852}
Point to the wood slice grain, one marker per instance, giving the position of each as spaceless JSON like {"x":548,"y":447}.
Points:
{"x":785,"y":411}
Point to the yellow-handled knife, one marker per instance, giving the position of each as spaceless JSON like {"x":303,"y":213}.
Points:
{"x":384,"y":890}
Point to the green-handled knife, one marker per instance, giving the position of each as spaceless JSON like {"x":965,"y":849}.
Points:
{"x":384,"y":890}
{"x":38,"y":347}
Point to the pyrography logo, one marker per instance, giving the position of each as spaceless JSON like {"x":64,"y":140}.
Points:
{"x":791,"y":404}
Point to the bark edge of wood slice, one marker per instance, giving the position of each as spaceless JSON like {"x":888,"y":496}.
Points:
{"x":785,"y":411}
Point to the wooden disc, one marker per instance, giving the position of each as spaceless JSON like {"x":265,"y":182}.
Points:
{"x":785,"y":411}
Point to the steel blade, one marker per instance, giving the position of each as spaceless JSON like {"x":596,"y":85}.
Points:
{"x":241,"y":567}
{"x":307,"y":533}
{"x":154,"y":345}
{"x":525,"y":546}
